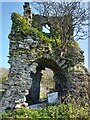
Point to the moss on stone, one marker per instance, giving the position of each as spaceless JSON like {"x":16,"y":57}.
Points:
{"x":20,"y":24}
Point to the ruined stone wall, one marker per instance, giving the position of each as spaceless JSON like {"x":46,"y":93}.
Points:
{"x":25,"y":55}
{"x":29,"y":53}
{"x":58,"y":25}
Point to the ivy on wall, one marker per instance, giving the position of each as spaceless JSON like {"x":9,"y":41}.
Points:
{"x":20,"y":24}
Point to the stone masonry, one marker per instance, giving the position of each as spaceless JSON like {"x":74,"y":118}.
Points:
{"x":27,"y":58}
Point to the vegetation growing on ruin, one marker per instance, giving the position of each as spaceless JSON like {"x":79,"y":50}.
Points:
{"x":19,"y":24}
{"x":71,"y":51}
{"x":65,"y":111}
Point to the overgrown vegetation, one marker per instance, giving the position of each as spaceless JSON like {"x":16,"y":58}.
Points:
{"x":20,"y":24}
{"x":69,"y":49}
{"x":65,"y":111}
{"x":58,"y":111}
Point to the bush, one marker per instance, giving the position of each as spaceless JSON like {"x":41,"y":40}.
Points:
{"x":58,"y":111}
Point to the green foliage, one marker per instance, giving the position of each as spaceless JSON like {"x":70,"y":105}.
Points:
{"x":58,"y":111}
{"x":19,"y":22}
{"x":35,"y":33}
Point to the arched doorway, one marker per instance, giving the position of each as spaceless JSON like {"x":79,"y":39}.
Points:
{"x":60,"y":81}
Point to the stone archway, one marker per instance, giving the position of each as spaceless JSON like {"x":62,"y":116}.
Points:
{"x":59,"y":78}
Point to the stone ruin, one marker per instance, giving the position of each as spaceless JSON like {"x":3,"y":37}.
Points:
{"x":28,"y":56}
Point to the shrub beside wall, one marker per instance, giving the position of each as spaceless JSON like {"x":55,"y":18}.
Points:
{"x":58,"y":111}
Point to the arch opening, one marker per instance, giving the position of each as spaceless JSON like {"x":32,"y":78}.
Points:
{"x":58,"y":80}
{"x":46,"y":28}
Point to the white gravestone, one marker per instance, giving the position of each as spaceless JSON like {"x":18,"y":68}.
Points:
{"x":53,"y":97}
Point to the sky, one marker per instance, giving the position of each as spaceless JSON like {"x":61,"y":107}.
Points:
{"x":6,"y":8}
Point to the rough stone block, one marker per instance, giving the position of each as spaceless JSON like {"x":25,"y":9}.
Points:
{"x":62,"y":63}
